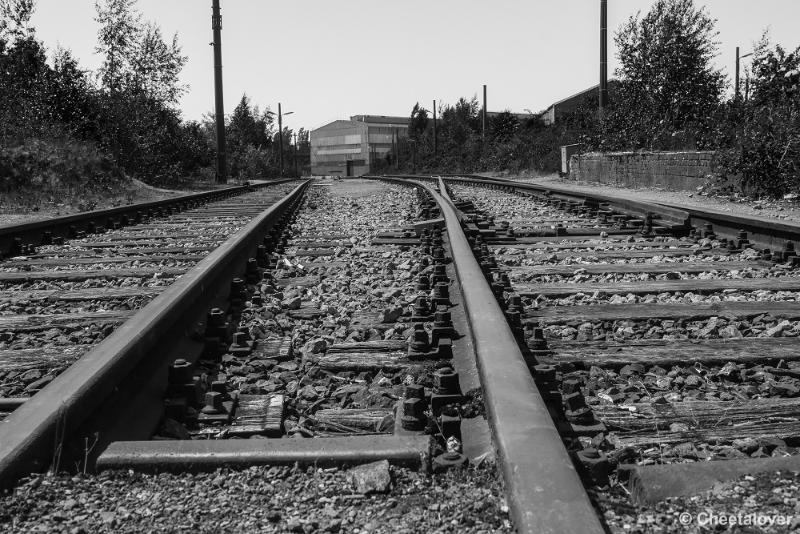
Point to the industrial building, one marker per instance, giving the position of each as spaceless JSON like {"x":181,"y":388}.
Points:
{"x":567,"y":105}
{"x":351,"y":147}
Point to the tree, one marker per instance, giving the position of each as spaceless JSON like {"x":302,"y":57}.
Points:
{"x":249,"y":133}
{"x":156,"y":65}
{"x":504,"y":125}
{"x":766,"y":152}
{"x":418,"y":122}
{"x":15,"y":17}
{"x":71,"y":93}
{"x":668,"y":82}
{"x":118,"y":39}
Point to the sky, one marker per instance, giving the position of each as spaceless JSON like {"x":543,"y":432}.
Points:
{"x":326,"y":60}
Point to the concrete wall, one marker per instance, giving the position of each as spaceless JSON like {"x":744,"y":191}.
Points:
{"x":667,"y":170}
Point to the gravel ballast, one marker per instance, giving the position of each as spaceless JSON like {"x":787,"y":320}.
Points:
{"x":258,"y":499}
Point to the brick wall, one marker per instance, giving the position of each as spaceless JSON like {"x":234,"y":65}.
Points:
{"x":666,"y":170}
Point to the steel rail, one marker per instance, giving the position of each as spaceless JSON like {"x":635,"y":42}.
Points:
{"x":543,"y":487}
{"x":671,"y":215}
{"x":34,"y":232}
{"x":762,"y":231}
{"x":29,"y":436}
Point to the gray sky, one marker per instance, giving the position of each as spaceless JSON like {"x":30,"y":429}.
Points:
{"x":328,"y":60}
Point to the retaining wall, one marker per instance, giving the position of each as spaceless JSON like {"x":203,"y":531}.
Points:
{"x":666,"y":170}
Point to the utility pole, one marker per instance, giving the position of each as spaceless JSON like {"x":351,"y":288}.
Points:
{"x":216,"y":25}
{"x":435,"y":139}
{"x":483,"y":115}
{"x":603,"y":56}
{"x":294,"y":135}
{"x":280,"y":137}
{"x":396,"y":145}
{"x":736,"y":87}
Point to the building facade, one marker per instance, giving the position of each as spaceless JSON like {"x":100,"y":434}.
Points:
{"x":354,"y":147}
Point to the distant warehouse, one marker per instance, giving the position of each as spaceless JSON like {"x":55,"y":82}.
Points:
{"x":353,"y":147}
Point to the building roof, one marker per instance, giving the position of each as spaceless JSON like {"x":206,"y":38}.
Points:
{"x":591,"y":89}
{"x":338,"y":122}
{"x":382,"y":119}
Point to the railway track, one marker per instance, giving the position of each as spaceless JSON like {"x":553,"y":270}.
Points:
{"x":58,"y":300}
{"x":593,"y":347}
{"x":321,"y":354}
{"x":665,"y":352}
